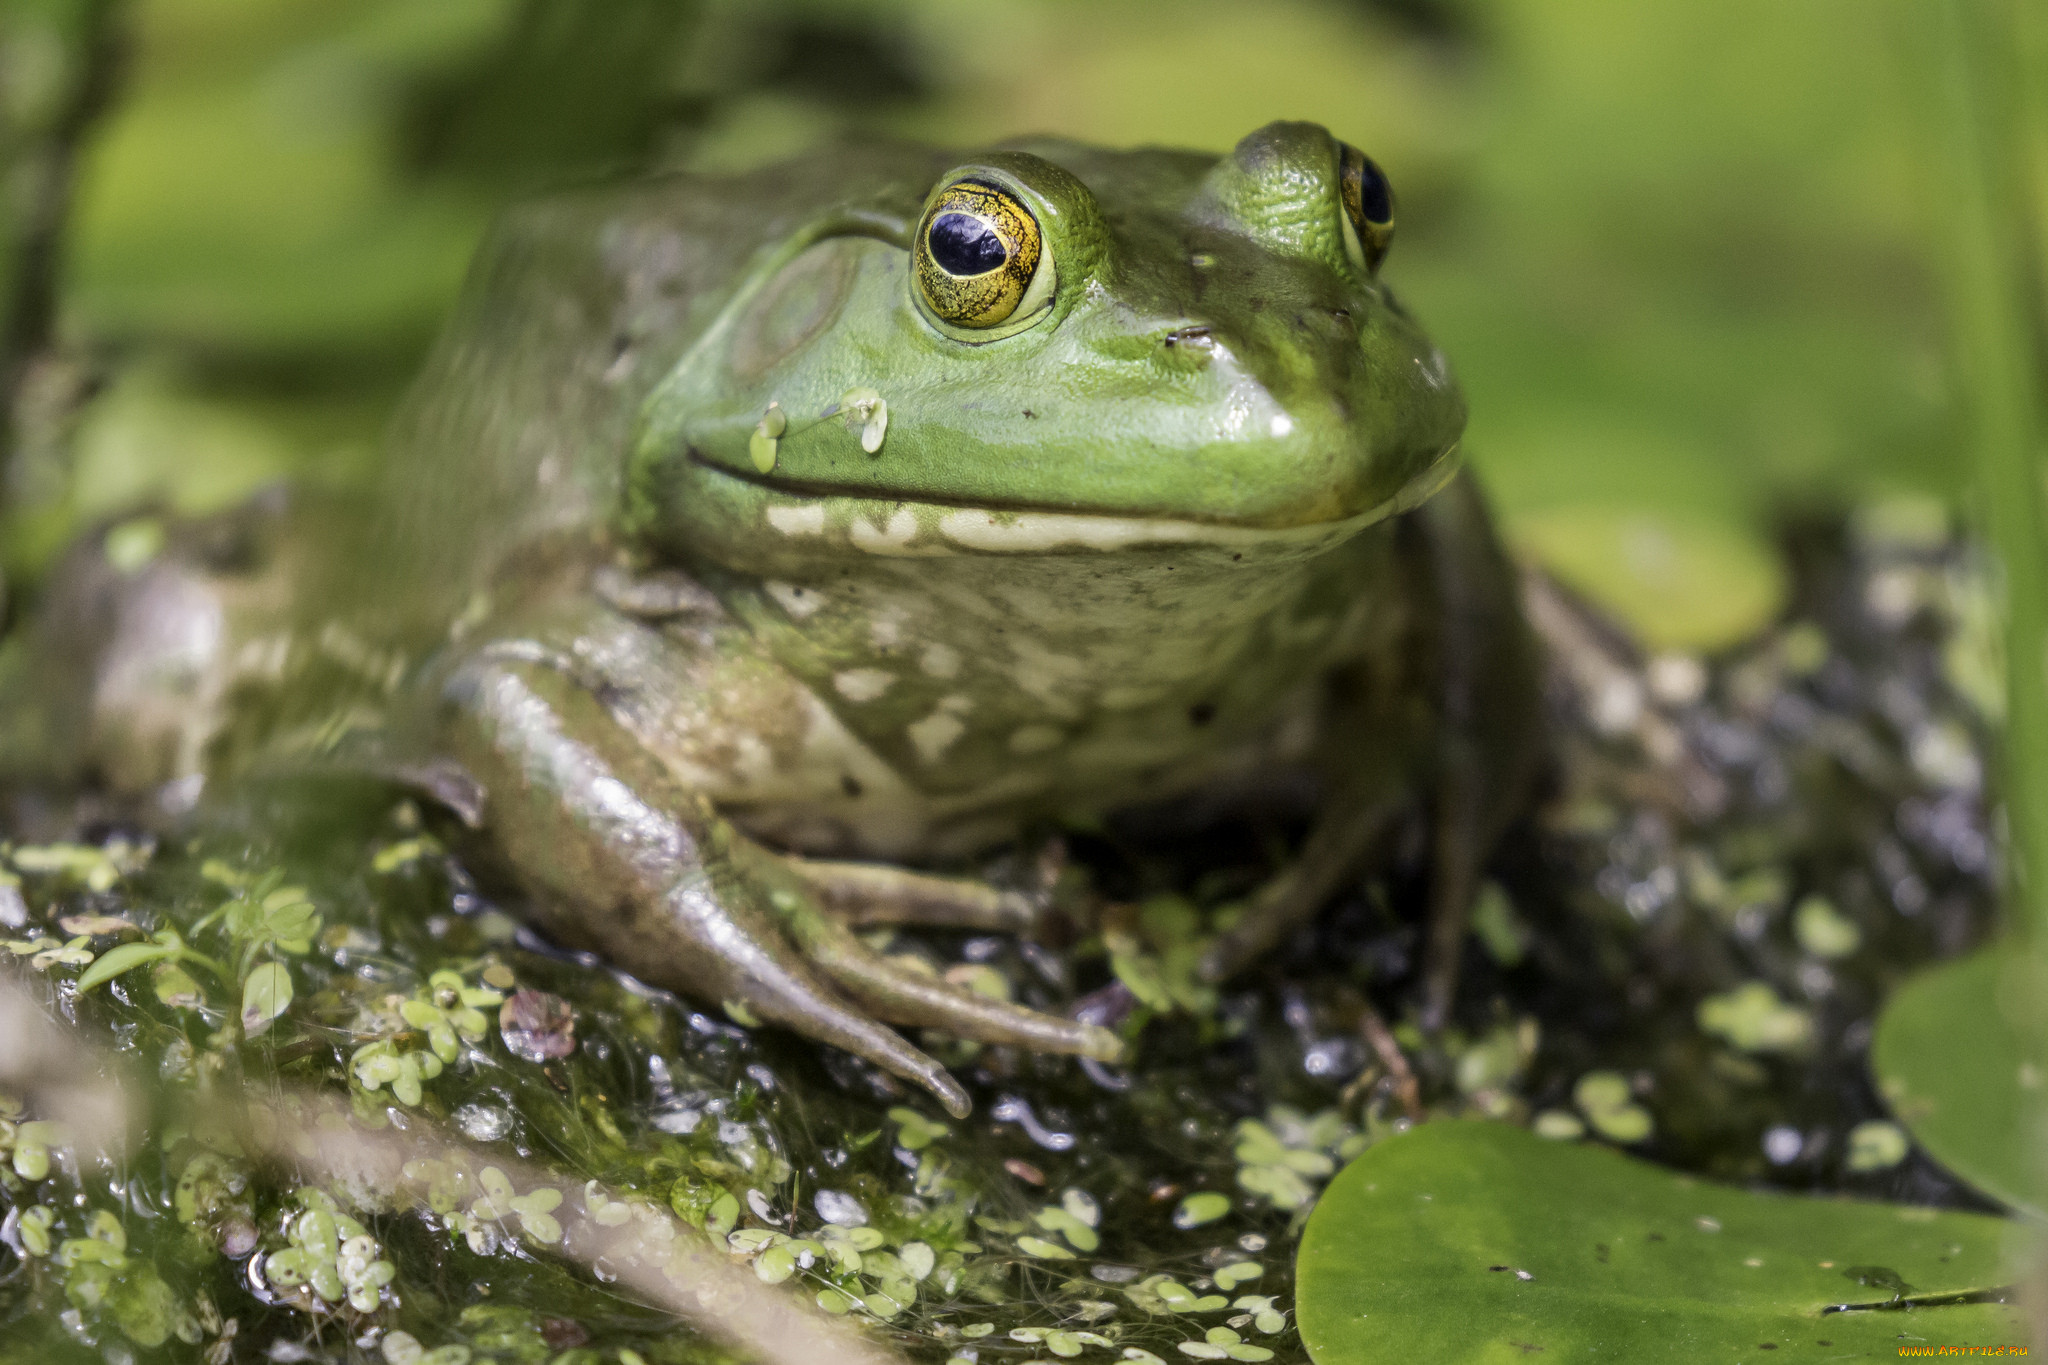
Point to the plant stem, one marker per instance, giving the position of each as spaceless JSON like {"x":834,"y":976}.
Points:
{"x":48,"y":170}
{"x":218,"y":968}
{"x":1989,"y":253}
{"x":1983,"y":114}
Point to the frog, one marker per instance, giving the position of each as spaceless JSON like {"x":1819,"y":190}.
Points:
{"x":756,"y":552}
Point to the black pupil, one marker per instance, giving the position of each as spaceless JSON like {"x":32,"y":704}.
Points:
{"x":1373,"y":196}
{"x":963,"y":244}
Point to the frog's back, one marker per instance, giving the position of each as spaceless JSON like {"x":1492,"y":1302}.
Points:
{"x":513,"y":441}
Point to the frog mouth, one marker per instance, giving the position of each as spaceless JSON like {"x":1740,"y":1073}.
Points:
{"x":825,"y":490}
{"x":890,"y":522}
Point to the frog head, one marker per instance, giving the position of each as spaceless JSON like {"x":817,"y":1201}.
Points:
{"x":1051,"y":347}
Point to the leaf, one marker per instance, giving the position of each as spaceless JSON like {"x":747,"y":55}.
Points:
{"x":125,"y":958}
{"x":265,"y":995}
{"x":394,"y":856}
{"x":98,"y":925}
{"x":71,"y":954}
{"x":220,"y":874}
{"x":1952,"y":1060}
{"x":175,"y":987}
{"x":1678,"y":580}
{"x":1468,"y":1240}
{"x":292,"y":927}
{"x":1139,"y":972}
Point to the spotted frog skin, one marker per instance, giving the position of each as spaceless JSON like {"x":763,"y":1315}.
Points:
{"x":755,"y":553}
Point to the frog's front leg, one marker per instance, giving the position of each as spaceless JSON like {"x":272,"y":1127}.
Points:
{"x":1479,"y":769}
{"x":1338,"y":842}
{"x":624,"y":858}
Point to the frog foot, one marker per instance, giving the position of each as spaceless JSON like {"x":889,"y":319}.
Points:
{"x":820,"y":904}
{"x":625,"y":859}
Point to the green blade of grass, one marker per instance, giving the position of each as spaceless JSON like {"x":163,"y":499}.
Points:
{"x":1979,"y":63}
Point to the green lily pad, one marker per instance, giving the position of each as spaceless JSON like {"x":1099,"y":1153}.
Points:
{"x":1952,"y":1059}
{"x":1475,"y":1241}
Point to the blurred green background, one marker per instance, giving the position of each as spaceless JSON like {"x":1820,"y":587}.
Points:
{"x":1676,"y":251}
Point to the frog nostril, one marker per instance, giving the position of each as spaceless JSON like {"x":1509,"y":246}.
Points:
{"x":1188,"y":336}
{"x":1330,"y":322}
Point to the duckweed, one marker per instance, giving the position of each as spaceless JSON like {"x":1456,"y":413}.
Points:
{"x":1823,"y":930}
{"x":27,"y":1147}
{"x":915,"y":1132}
{"x":918,"y":1259}
{"x":405,"y":1071}
{"x":34,"y":1229}
{"x":403,"y":1348}
{"x":330,"y":1258}
{"x":1877,"y":1145}
{"x":1605,"y":1099}
{"x":1752,"y":1018}
{"x":1044,"y":1250}
{"x":1079,"y":1232}
{"x":451,"y":1013}
{"x":1164,"y":1294}
{"x":1235,"y":1273}
{"x":1199,"y":1209}
{"x":1264,"y":1316}
{"x":1285,"y":1158}
{"x":1060,"y":1341}
{"x":1221,"y":1343}
{"x":1496,"y":1061}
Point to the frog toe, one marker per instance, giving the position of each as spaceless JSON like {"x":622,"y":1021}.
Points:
{"x":826,"y":1019}
{"x":864,"y":894}
{"x":903,"y":995}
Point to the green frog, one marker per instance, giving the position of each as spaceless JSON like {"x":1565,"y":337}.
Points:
{"x":756,"y":553}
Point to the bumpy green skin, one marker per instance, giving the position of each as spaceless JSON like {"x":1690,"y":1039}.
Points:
{"x":1194,"y":535}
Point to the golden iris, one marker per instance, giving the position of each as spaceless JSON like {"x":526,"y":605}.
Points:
{"x":976,"y":253}
{"x":1368,"y":203}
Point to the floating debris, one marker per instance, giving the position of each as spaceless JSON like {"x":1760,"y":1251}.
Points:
{"x":865,"y":412}
{"x":537,"y":1026}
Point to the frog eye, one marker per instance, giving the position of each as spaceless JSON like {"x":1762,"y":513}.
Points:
{"x":977,"y":256}
{"x":1368,"y":207}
